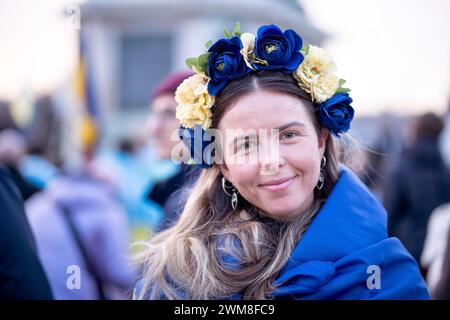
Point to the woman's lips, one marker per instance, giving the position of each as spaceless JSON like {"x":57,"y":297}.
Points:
{"x":278,"y":185}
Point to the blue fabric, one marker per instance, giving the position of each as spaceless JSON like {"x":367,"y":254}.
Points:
{"x":348,"y":235}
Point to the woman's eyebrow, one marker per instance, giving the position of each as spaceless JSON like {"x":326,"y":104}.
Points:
{"x":290,"y":124}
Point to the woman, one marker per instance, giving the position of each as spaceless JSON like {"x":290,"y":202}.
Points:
{"x":294,"y":224}
{"x":163,"y":122}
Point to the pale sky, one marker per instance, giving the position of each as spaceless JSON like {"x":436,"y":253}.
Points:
{"x":38,"y":46}
{"x":394,"y":54}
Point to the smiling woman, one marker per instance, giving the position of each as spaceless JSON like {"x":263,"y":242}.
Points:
{"x":280,"y":182}
{"x":286,"y":221}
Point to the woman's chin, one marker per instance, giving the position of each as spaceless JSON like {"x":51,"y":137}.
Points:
{"x":281,"y":213}
{"x":286,"y":209}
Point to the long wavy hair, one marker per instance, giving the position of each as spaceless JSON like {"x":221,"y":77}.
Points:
{"x":188,"y":260}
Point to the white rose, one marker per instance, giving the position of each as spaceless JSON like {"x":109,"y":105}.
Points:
{"x":194,"y":102}
{"x":316,"y":75}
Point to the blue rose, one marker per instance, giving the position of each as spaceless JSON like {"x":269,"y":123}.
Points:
{"x":225,"y":63}
{"x":336,"y":113}
{"x":280,"y":50}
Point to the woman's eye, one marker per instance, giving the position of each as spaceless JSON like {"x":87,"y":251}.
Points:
{"x":289,"y":134}
{"x":247,"y":145}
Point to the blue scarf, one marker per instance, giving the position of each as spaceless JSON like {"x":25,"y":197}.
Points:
{"x":346,"y":253}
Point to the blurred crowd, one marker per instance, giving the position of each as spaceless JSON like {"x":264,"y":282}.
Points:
{"x":409,"y":171}
{"x":82,"y":225}
{"x":71,"y":231}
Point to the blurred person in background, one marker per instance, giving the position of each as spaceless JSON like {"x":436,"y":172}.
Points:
{"x":82,"y":233}
{"x":21,"y":274}
{"x":36,"y":168}
{"x":6,"y":119}
{"x":12,"y":150}
{"x":163,"y":123}
{"x":436,"y":253}
{"x":43,"y":159}
{"x":445,"y":138}
{"x":45,"y":130}
{"x":384,"y":152}
{"x":78,"y":223}
{"x":418,"y":184}
{"x":129,"y":167}
{"x":442,"y":290}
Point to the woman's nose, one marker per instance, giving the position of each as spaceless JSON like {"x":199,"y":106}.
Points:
{"x":270,"y":159}
{"x":154,"y":125}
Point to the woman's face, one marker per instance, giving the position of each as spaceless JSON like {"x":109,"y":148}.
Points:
{"x":163,"y":123}
{"x":275,"y":172}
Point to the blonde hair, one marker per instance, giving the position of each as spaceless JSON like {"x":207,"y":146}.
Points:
{"x":187,"y":261}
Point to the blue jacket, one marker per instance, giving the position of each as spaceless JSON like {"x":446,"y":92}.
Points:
{"x":336,"y":256}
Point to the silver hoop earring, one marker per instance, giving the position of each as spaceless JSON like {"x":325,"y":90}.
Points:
{"x":323,"y":162}
{"x":233,"y":194}
{"x":321,"y":181}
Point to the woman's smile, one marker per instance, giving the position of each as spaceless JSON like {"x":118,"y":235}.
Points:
{"x":278,"y":184}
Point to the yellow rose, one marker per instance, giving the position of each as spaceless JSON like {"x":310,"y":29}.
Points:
{"x":194,"y":102}
{"x":325,"y":87}
{"x":316,"y":75}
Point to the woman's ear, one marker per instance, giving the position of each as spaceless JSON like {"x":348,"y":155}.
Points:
{"x":225,"y":171}
{"x":323,"y":138}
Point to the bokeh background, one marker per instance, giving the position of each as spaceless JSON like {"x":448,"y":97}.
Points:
{"x":77,"y":80}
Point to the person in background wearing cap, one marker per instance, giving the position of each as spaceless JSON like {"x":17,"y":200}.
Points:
{"x":162,"y":122}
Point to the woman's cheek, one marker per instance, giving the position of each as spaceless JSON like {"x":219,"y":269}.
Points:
{"x":305,"y":163}
{"x":244,"y":174}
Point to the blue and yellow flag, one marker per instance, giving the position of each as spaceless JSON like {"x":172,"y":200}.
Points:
{"x":89,"y":124}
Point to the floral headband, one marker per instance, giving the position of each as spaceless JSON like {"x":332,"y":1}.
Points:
{"x":239,"y":54}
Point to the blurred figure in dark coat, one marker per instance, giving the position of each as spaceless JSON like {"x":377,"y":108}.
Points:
{"x":419,"y":183}
{"x":12,"y":150}
{"x":21,"y":273}
{"x":442,"y":291}
{"x":13,"y":147}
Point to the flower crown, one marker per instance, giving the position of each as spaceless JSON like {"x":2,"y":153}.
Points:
{"x":239,"y":54}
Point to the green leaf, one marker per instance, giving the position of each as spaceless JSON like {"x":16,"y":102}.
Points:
{"x":202,"y":62}
{"x":237,"y":29}
{"x":208,"y":44}
{"x":343,"y":90}
{"x":305,"y":49}
{"x":227,"y":33}
{"x":191,"y":62}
